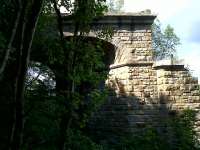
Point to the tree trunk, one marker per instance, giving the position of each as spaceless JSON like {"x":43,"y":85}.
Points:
{"x":59,"y":20}
{"x":64,"y":131}
{"x":14,"y":30}
{"x":18,"y":125}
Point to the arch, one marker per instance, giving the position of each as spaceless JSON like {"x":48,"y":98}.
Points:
{"x":130,"y":33}
{"x":57,"y":69}
{"x":108,"y":48}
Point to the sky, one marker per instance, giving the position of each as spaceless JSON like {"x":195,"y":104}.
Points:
{"x":184,"y":17}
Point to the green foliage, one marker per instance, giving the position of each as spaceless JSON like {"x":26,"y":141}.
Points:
{"x":2,"y":45}
{"x":41,"y":127}
{"x":46,"y":46}
{"x":179,"y":134}
{"x":6,"y":24}
{"x":79,"y":63}
{"x":78,"y":141}
{"x":44,"y":111}
{"x":115,"y":6}
{"x":147,"y":140}
{"x":182,"y":133}
{"x":85,"y":11}
{"x":106,"y":33}
{"x":2,"y":41}
{"x":164,"y":43}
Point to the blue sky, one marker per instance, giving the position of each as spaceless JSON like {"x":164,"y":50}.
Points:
{"x":184,"y":17}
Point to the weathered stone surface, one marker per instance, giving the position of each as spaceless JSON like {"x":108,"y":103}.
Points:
{"x":157,"y":91}
{"x":144,"y":93}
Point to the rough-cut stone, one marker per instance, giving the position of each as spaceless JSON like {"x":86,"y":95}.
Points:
{"x":145,"y":92}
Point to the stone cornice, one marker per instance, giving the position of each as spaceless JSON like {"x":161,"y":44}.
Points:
{"x":118,"y":19}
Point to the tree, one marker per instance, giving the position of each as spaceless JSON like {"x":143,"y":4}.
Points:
{"x":20,"y":39}
{"x":82,"y":59}
{"x":164,"y":43}
{"x":115,"y":6}
{"x":76,"y":67}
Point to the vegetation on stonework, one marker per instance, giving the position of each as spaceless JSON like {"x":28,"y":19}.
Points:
{"x":179,"y":134}
{"x":50,"y":85}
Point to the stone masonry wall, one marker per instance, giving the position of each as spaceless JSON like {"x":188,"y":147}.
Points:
{"x":133,"y":82}
{"x":144,"y":94}
{"x":178,"y":88}
{"x":141,"y":93}
{"x":137,"y":80}
{"x":133,"y":45}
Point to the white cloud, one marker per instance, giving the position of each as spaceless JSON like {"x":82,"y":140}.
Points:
{"x":164,"y":8}
{"x":183,"y":16}
{"x":191,"y":56}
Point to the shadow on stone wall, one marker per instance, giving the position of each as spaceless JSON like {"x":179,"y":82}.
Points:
{"x":130,"y":116}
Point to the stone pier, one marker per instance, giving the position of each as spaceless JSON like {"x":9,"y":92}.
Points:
{"x":144,"y":93}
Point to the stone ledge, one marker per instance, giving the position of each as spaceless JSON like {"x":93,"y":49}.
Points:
{"x":170,"y":67}
{"x":114,"y":66}
{"x":117,"y":19}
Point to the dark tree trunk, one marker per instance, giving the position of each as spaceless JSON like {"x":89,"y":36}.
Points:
{"x":64,"y":131}
{"x":63,"y":88}
{"x":27,"y":33}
